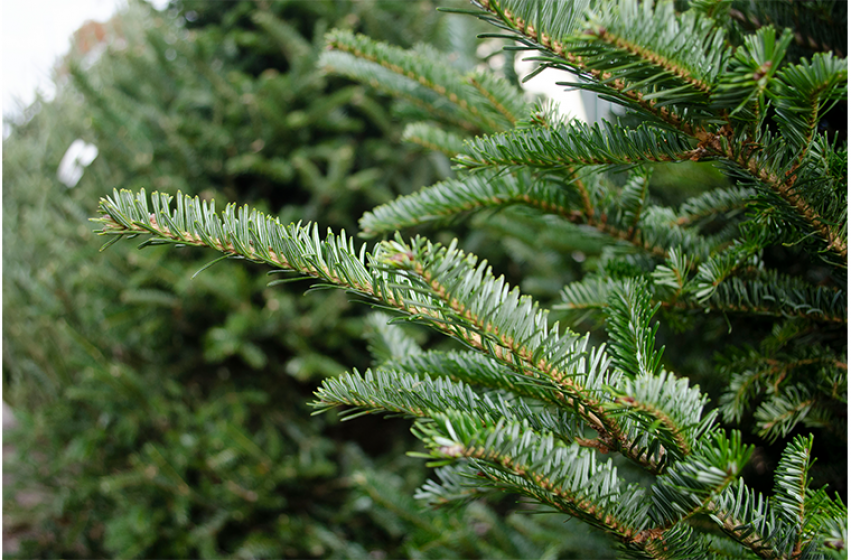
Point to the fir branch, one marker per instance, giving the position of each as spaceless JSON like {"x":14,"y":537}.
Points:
{"x":666,"y":409}
{"x":511,"y":328}
{"x":739,"y":256}
{"x":687,"y":46}
{"x":778,"y":295}
{"x":754,"y":165}
{"x":423,"y":68}
{"x":480,"y":370}
{"x":778,"y":415}
{"x":787,"y":190}
{"x":537,"y":32}
{"x":547,"y":18}
{"x":792,"y":488}
{"x":576,"y":144}
{"x":749,"y":80}
{"x":657,"y":409}
{"x":692,"y":485}
{"x":763,"y":161}
{"x":746,"y":516}
{"x":448,"y":199}
{"x":387,"y":391}
{"x":519,"y":338}
{"x":827,"y":523}
{"x":569,"y":479}
{"x":632,"y":338}
{"x":384,"y":79}
{"x":786,"y":525}
{"x":744,"y":84}
{"x":440,"y":286}
{"x":803,"y":93}
{"x":722,"y":143}
{"x":566,"y":477}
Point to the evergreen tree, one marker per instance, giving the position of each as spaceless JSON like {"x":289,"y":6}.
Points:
{"x":161,"y":416}
{"x":611,"y":433}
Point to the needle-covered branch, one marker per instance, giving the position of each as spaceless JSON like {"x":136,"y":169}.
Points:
{"x":439,"y":286}
{"x":567,"y":478}
{"x":485,"y":101}
{"x":577,"y":199}
{"x":577,"y":144}
{"x":726,"y":125}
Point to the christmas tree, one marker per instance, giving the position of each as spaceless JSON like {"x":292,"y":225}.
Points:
{"x":613,"y":432}
{"x":162,"y":416}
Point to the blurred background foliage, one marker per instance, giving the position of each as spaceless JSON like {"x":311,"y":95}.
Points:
{"x":161,"y":415}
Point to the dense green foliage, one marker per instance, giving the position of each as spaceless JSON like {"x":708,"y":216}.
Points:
{"x":535,"y":409}
{"x":162,"y":415}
